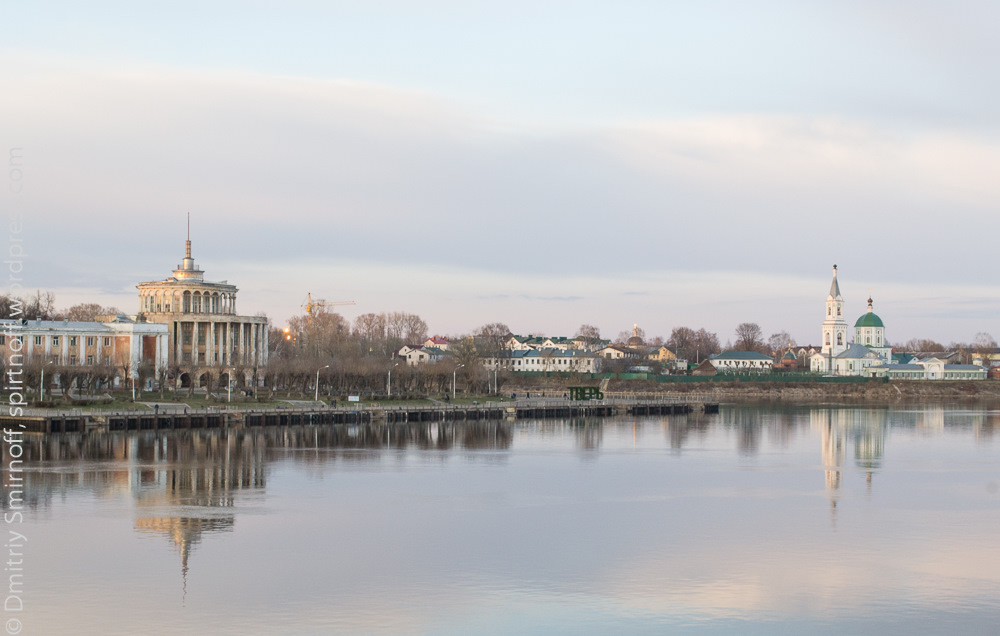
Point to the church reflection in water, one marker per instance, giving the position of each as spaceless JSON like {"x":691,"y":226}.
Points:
{"x":185,"y":485}
{"x":865,"y":429}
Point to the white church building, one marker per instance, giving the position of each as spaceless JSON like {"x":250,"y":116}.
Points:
{"x":840,"y":357}
{"x":869,"y":354}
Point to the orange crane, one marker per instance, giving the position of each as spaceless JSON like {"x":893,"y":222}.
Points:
{"x":310,"y":304}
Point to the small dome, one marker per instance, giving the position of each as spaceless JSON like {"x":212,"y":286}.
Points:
{"x":634,"y":341}
{"x":869,"y":320}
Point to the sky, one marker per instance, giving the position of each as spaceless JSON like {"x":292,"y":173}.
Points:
{"x":543,"y":165}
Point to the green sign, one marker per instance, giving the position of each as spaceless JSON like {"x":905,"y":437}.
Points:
{"x":585,"y":393}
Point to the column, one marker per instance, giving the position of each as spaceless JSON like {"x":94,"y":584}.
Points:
{"x":210,"y":345}
{"x":178,"y":342}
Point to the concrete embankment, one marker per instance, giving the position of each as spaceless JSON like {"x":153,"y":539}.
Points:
{"x":537,"y":407}
{"x":982,"y":391}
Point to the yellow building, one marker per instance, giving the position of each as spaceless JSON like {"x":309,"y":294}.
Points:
{"x":203,"y":328}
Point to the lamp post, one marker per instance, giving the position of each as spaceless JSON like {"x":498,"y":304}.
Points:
{"x":316,"y":397}
{"x":388,"y":381}
{"x":41,"y":388}
{"x":453,"y":373}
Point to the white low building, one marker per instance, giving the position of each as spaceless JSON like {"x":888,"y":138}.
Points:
{"x":930,"y":369}
{"x":741,"y":362}
{"x":545,"y":360}
{"x":119,"y":341}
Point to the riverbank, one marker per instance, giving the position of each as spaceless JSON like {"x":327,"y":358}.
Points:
{"x":756,"y":391}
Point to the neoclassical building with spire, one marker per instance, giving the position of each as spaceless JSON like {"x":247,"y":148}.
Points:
{"x":203,"y":327}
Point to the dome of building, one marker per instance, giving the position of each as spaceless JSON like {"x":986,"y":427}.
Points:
{"x":869,"y":319}
{"x":635,"y":340}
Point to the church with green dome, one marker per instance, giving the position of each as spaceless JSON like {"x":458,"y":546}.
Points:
{"x":870,"y":332}
{"x":838,"y":357}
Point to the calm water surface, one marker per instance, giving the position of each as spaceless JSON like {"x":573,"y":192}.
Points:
{"x":752,"y":521}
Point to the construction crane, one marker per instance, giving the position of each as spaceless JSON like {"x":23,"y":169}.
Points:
{"x":311,"y":304}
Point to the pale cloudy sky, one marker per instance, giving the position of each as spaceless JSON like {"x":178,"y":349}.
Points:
{"x":539,"y":164}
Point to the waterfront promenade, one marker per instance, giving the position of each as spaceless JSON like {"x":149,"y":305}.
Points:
{"x":306,"y":413}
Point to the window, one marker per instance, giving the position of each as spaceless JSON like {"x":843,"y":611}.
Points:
{"x":107,"y":342}
{"x":55,"y":341}
{"x":3,"y":340}
{"x":91,"y":341}
{"x":840,"y":339}
{"x":72,"y":359}
{"x":72,"y":341}
{"x":90,"y":359}
{"x":38,"y":341}
{"x":107,"y":359}
{"x":187,"y":357}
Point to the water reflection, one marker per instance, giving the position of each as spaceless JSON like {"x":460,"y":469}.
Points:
{"x":702,"y":517}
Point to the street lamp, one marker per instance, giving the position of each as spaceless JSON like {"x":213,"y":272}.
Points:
{"x":316,"y":398}
{"x":453,"y":373}
{"x":388,"y":381}
{"x":41,"y":389}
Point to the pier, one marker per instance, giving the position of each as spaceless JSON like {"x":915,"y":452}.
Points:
{"x":79,"y":421}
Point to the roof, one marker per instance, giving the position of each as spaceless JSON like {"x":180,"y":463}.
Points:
{"x":789,"y":355}
{"x":549,"y":353}
{"x":834,"y":286}
{"x":855,"y":350}
{"x":740,"y":355}
{"x":869,"y":319}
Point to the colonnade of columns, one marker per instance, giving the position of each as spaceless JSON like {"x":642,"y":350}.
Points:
{"x":221,"y":342}
{"x":158,"y":301}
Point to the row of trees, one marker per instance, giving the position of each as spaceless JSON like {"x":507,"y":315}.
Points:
{"x":42,"y":306}
{"x":325,"y":333}
{"x":358,"y":357}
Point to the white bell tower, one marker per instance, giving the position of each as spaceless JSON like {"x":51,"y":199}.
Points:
{"x":834,"y":326}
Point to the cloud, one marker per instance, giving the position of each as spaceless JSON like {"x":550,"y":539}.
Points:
{"x":401,"y":196}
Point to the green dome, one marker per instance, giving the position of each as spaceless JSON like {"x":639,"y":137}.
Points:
{"x":869,"y":320}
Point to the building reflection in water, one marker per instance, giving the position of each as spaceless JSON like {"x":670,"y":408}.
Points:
{"x":184,"y":484}
{"x":864,"y":428}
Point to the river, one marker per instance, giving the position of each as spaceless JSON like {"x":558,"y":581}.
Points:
{"x":755,"y":520}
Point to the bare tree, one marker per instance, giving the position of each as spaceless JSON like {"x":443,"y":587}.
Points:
{"x":922,"y":345}
{"x":780,"y":341}
{"x":590,"y":334}
{"x":88,"y":312}
{"x":404,"y":327}
{"x":493,"y":339}
{"x":692,"y":345}
{"x":749,"y":337}
{"x":983,"y":341}
{"x":41,"y":306}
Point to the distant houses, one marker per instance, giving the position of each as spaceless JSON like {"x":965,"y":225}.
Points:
{"x":549,"y":354}
{"x":741,"y":362}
